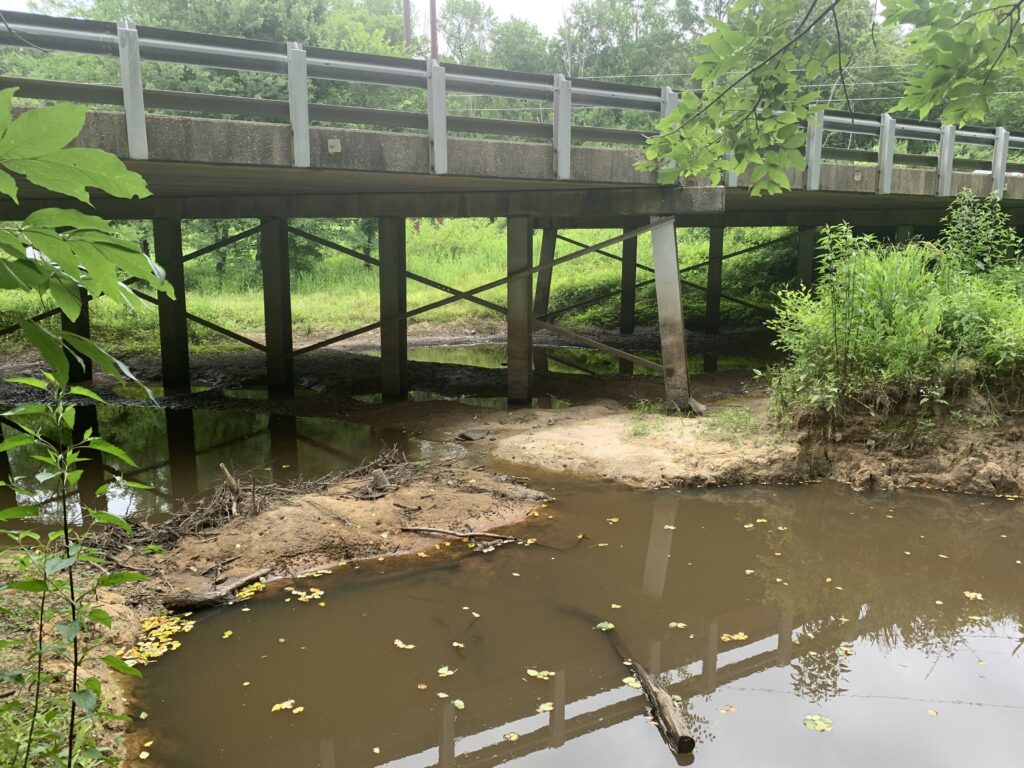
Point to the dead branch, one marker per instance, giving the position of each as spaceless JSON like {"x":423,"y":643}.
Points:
{"x":190,"y":601}
{"x":457,"y":535}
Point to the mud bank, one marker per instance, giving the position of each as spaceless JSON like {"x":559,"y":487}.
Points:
{"x":348,"y":520}
{"x":735,"y":444}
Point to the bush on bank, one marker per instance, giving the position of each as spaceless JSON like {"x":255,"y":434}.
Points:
{"x":920,"y":323}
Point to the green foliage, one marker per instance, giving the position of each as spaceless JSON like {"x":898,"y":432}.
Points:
{"x":891,"y":324}
{"x":977,"y":234}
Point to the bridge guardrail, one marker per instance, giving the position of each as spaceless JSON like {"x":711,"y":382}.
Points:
{"x":133,"y":45}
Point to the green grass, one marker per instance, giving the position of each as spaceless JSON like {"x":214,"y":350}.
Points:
{"x":733,"y":425}
{"x":333,"y":292}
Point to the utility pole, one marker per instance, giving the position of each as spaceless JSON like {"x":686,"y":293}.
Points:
{"x":407,"y":23}
{"x":433,"y":30}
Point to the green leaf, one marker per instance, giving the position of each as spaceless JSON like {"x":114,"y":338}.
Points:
{"x":28,"y":381}
{"x":106,"y":518}
{"x":18,"y":513}
{"x":87,"y":700}
{"x":29,"y":585}
{"x":55,"y":565}
{"x":73,"y":171}
{"x":15,"y":441}
{"x":49,"y":347}
{"x":41,"y":132}
{"x":99,"y":616}
{"x":8,"y":186}
{"x":121,"y":577}
{"x":68,"y":629}
{"x":117,"y":664}
{"x":86,"y":392}
{"x":99,"y":444}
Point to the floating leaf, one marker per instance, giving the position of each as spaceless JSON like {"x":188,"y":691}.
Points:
{"x":228,"y":633}
{"x":540,"y":674}
{"x":604,"y":626}
{"x":676,"y":625}
{"x":845,"y":650}
{"x":297,"y":710}
{"x":933,"y":713}
{"x":616,"y":605}
{"x":973,"y":596}
{"x":631,"y":681}
{"x":286,"y":704}
{"x":458,"y":703}
{"x":818,"y":723}
{"x":403,"y":646}
{"x":513,"y":736}
{"x":728,"y":709}
{"x":748,"y":572}
{"x":445,"y":672}
{"x":442,"y":695}
{"x":669,"y":527}
{"x":546,"y":706}
{"x":728,"y":638}
{"x":143,"y":755}
{"x":457,"y":644}
{"x":612,"y":520}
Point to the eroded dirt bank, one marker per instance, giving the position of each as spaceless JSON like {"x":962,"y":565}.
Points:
{"x":735,"y":444}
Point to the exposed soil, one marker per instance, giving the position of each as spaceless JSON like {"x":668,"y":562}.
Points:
{"x":347,"y":520}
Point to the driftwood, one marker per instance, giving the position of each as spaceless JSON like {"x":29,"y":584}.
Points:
{"x":190,"y":601}
{"x":664,"y":710}
{"x":464,"y":535}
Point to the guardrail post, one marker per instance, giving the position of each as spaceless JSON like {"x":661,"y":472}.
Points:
{"x":1000,"y":151}
{"x":947,"y":140}
{"x":437,"y":118}
{"x":562,"y":128}
{"x":298,"y":104}
{"x":886,"y":150}
{"x":812,"y":152}
{"x":131,"y":87}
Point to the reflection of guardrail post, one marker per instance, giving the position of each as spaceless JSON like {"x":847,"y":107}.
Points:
{"x":886,"y":149}
{"x":659,"y":544}
{"x":812,"y":152}
{"x":131,"y":87}
{"x":181,"y":454}
{"x":327,"y":754}
{"x":947,"y":141}
{"x":562,"y":128}
{"x":437,"y":118}
{"x":556,"y":720}
{"x":298,"y":104}
{"x":446,"y":740}
{"x":709,"y":664}
{"x":1000,"y":152}
{"x":785,"y":647}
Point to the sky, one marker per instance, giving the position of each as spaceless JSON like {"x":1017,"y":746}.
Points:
{"x":546,"y":14}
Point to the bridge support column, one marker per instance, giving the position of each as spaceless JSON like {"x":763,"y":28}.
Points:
{"x":713,"y":306}
{"x":520,"y":294}
{"x":670,"y":311}
{"x":627,"y":298}
{"x":174,"y":361}
{"x":277,"y":305}
{"x":80,"y":368}
{"x":904,"y":234}
{"x":181,"y":455}
{"x":284,"y":447}
{"x":806,"y":250}
{"x":394,"y":345}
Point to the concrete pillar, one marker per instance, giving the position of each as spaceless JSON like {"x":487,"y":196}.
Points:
{"x":277,"y":305}
{"x":79,"y":368}
{"x":446,"y":739}
{"x":627,"y":300}
{"x":520,"y":294}
{"x":709,"y":664}
{"x":806,"y":250}
{"x":713,"y":306}
{"x":181,"y":455}
{"x":904,"y":234}
{"x":394,"y":345}
{"x":659,"y":545}
{"x":284,"y":447}
{"x":93,"y":474}
{"x":542,"y":301}
{"x":556,"y":719}
{"x":8,"y":498}
{"x":174,"y":360}
{"x":670,"y":311}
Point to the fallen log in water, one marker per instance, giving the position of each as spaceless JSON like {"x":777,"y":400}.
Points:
{"x":462,"y":535}
{"x":190,"y":601}
{"x":663,"y":708}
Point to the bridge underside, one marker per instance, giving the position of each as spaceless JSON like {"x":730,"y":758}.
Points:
{"x":200,"y":168}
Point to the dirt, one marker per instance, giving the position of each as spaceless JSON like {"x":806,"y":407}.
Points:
{"x":310,"y":531}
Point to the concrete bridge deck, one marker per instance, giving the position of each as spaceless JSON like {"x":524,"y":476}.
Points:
{"x":313,"y":163}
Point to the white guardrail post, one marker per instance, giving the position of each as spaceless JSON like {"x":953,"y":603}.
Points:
{"x":1000,"y":153}
{"x":812,"y":152}
{"x":886,"y":149}
{"x":298,"y":104}
{"x":437,"y":118}
{"x":947,"y":141}
{"x":562,"y":127}
{"x":131,"y":87}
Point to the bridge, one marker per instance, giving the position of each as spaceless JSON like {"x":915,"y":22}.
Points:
{"x":297,"y":157}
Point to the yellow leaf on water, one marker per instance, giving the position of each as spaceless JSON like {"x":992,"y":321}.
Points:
{"x":728,"y":638}
{"x":442,"y":695}
{"x":669,"y":527}
{"x":632,"y":682}
{"x":148,"y":743}
{"x":973,"y":596}
{"x":728,"y":709}
{"x":458,"y":703}
{"x":403,"y":646}
{"x":546,"y":706}
{"x":612,"y":520}
{"x":298,"y":709}
{"x":457,"y":644}
{"x":616,"y":605}
{"x":227,"y":634}
{"x":286,"y":704}
{"x":376,"y":750}
{"x":422,"y":686}
{"x":445,"y":672}
{"x":511,"y":736}
{"x":933,"y":712}
{"x":143,"y":755}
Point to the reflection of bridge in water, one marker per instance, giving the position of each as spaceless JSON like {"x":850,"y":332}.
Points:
{"x":300,"y":156}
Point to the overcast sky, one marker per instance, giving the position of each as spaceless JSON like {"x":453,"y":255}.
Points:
{"x":546,"y":14}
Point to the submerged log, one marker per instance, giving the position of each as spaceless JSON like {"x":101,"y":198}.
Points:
{"x":462,"y":535}
{"x":663,"y":708}
{"x":190,"y":601}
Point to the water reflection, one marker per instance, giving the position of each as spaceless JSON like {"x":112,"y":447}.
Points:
{"x":794,"y":600}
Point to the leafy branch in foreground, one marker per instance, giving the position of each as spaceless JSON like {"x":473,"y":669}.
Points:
{"x":58,"y":713}
{"x":760,"y":80}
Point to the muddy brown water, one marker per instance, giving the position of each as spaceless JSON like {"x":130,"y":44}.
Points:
{"x":797,"y":601}
{"x":834,"y":619}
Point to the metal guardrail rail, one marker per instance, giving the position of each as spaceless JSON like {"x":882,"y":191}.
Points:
{"x":299,"y":64}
